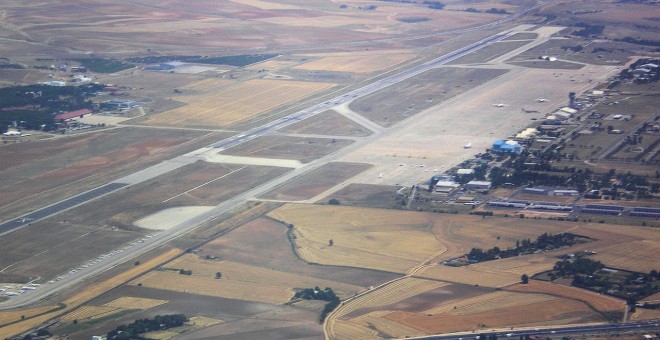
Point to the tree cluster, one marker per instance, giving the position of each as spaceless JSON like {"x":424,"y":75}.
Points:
{"x":317,"y":294}
{"x":159,"y":322}
{"x":31,"y":106}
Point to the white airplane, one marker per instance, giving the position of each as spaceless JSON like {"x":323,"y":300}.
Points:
{"x":381,"y":175}
{"x":12,"y":133}
{"x":467,"y":146}
{"x":541,"y":100}
{"x":500,"y":105}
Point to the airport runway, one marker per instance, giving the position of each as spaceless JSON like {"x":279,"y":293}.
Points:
{"x":555,"y":331}
{"x":108,"y":261}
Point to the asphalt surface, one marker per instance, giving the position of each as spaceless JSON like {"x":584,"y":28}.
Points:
{"x":108,"y":261}
{"x":59,"y":207}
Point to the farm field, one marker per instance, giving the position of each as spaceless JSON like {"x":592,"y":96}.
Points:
{"x":100,"y":226}
{"x":86,"y":160}
{"x":303,"y":149}
{"x":527,"y":313}
{"x":316,"y":182}
{"x":265,"y":243}
{"x":355,"y":62}
{"x":328,"y":123}
{"x":407,"y":98}
{"x":220,"y":107}
{"x":238,"y":281}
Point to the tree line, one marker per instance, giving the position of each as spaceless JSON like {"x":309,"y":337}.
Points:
{"x":141,"y":326}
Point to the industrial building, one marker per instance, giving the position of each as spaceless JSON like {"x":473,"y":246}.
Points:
{"x":478,"y":185}
{"x":72,"y":114}
{"x":506,"y":146}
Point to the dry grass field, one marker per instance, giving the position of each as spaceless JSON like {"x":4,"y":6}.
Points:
{"x":88,"y":293}
{"x":409,"y":97}
{"x":328,"y":123}
{"x":239,"y":281}
{"x":85,"y":160}
{"x":358,"y":62}
{"x":367,"y":195}
{"x":471,"y":276}
{"x":489,"y":52}
{"x":89,"y":312}
{"x":15,"y":315}
{"x":552,"y":312}
{"x":230,"y":104}
{"x":264,"y":243}
{"x":85,"y":232}
{"x":298,"y":148}
{"x":316,"y":182}
{"x":364,"y":238}
{"x":603,"y":304}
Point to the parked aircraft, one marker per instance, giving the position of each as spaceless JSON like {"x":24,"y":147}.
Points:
{"x":468,"y":145}
{"x":541,"y":100}
{"x":500,"y":105}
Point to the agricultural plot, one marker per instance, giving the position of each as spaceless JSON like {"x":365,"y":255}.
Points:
{"x":607,"y":306}
{"x":552,"y":312}
{"x":316,"y":182}
{"x":302,"y":149}
{"x":377,"y":239}
{"x":407,"y":98}
{"x":236,"y":103}
{"x":328,"y":123}
{"x":237,"y":281}
{"x":356,"y":62}
{"x":265,"y":243}
{"x":87,"y":160}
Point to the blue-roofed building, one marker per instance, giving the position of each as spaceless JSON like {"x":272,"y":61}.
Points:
{"x":506,"y":146}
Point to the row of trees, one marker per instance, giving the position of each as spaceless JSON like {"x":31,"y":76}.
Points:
{"x":543,"y":242}
{"x":159,"y":322}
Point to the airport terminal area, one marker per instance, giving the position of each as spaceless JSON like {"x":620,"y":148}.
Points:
{"x":360,"y":169}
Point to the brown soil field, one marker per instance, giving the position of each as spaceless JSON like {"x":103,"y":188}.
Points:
{"x":489,"y":52}
{"x":388,"y":296}
{"x":297,"y":148}
{"x":328,"y":123}
{"x":358,"y":62}
{"x":409,"y":97}
{"x":367,"y":195}
{"x":239,"y":281}
{"x":552,"y":312}
{"x":100,"y":226}
{"x":317,"y":181}
{"x":61,"y":167}
{"x":219,"y":107}
{"x":264,"y":243}
{"x":234,"y":316}
{"x":604,"y":304}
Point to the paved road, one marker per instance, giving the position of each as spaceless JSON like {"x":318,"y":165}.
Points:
{"x":555,"y":331}
{"x":126,"y":253}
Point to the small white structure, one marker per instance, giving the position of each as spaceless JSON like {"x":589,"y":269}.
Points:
{"x":568,"y":110}
{"x":465,"y":171}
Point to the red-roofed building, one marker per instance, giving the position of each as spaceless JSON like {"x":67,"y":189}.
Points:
{"x":72,"y":114}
